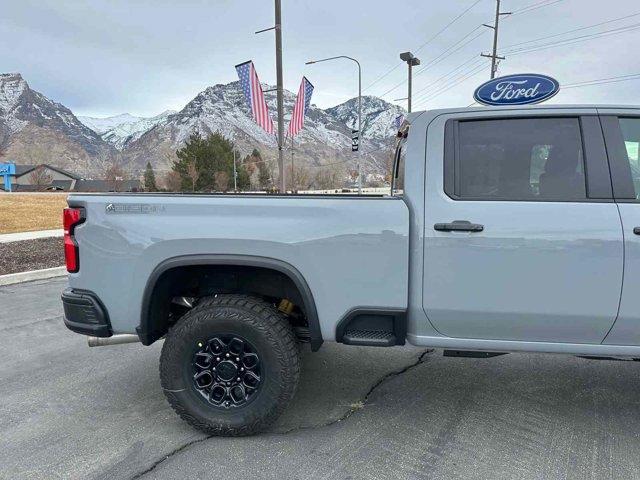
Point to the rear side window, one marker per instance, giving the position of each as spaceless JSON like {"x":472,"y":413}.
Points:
{"x":631,"y":133}
{"x":518,"y":159}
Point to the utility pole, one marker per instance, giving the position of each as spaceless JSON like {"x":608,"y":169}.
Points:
{"x":280,"y":94}
{"x":494,"y":55}
{"x":412,"y":61}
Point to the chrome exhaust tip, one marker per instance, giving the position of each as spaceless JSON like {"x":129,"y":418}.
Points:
{"x":113,"y":340}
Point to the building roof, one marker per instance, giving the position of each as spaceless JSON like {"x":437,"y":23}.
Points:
{"x":24,"y":169}
{"x":60,"y":185}
{"x":106,"y":186}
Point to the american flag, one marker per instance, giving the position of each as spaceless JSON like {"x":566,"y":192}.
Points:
{"x":254,"y":95}
{"x":300,"y":108}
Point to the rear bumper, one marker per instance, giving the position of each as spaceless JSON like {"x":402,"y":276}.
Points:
{"x":85,"y":314}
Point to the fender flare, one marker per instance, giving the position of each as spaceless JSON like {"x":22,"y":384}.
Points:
{"x":147,"y":336}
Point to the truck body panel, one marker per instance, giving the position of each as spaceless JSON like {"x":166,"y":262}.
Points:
{"x":352,"y":252}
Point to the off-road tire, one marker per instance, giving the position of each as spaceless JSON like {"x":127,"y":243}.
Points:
{"x":266,"y":329}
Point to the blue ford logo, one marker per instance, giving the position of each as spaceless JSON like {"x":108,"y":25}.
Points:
{"x":518,"y":89}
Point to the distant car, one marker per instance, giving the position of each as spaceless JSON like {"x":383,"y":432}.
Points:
{"x":508,"y":229}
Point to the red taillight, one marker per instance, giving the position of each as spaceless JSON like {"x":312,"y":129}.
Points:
{"x":70,"y":218}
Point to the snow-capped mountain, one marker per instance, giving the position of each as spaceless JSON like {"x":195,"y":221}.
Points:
{"x":378,"y":116}
{"x":119,"y":130}
{"x":35,"y":129}
{"x":103,"y":124}
{"x":326,"y":137}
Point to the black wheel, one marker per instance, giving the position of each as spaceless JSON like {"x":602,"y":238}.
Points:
{"x":230,"y":366}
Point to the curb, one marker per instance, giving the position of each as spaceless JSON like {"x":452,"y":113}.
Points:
{"x":22,"y":236}
{"x":20,"y":277}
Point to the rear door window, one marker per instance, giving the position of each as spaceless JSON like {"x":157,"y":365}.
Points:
{"x":519,"y":160}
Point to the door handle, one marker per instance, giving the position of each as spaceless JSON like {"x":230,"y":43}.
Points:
{"x":636,"y":230}
{"x":459,"y":226}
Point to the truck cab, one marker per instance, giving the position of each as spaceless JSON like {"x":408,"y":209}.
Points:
{"x":525,"y":228}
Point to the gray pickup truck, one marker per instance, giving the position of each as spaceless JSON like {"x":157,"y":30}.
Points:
{"x":507,"y":229}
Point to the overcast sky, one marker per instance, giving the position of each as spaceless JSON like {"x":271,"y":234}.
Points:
{"x":105,"y":57}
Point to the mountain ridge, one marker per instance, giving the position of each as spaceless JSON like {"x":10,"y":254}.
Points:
{"x":88,"y":144}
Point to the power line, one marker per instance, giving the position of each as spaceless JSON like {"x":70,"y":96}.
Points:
{"x":424,"y":44}
{"x":586,"y":83}
{"x":474,"y":61}
{"x":451,"y":49}
{"x":573,"y":31}
{"x":438,"y":59}
{"x":574,"y":40}
{"x":447,"y":26}
{"x":446,"y":88}
{"x":602,"y":81}
{"x":447,"y":53}
{"x":535,"y":6}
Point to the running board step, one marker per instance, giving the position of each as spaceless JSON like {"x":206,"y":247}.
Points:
{"x":471,"y":354}
{"x":372,"y":338}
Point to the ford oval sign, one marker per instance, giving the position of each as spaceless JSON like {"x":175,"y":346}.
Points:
{"x":518,"y":89}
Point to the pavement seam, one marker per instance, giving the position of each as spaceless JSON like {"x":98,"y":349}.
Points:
{"x":421,"y":359}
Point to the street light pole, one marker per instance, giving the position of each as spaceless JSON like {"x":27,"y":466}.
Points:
{"x":359,"y":108}
{"x":412,"y":61}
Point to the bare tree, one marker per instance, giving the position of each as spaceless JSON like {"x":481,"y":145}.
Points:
{"x":115,"y":176}
{"x":172,"y":181}
{"x":330,"y":176}
{"x":221,"y":181}
{"x":40,"y":177}
{"x":301,"y":178}
{"x":193,"y":173}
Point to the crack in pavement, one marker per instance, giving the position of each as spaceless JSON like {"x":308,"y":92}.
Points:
{"x":421,"y":359}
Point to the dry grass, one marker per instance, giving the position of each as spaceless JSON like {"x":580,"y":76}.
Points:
{"x":26,"y":212}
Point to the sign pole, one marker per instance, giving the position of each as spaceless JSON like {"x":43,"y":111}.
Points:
{"x":359,"y":127}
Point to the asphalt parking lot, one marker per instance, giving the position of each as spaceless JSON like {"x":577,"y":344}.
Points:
{"x":67,"y":411}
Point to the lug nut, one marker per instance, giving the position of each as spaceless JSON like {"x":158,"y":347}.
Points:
{"x":242,"y":369}
{"x":238,"y":379}
{"x":237,"y":359}
{"x":217,"y":359}
{"x":227,"y":354}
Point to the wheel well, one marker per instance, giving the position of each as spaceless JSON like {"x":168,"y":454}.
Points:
{"x":172,"y":286}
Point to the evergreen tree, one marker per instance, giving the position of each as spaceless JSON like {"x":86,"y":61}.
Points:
{"x":150,"y":179}
{"x":202,"y":158}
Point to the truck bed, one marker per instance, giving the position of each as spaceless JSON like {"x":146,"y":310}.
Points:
{"x":351,"y":250}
